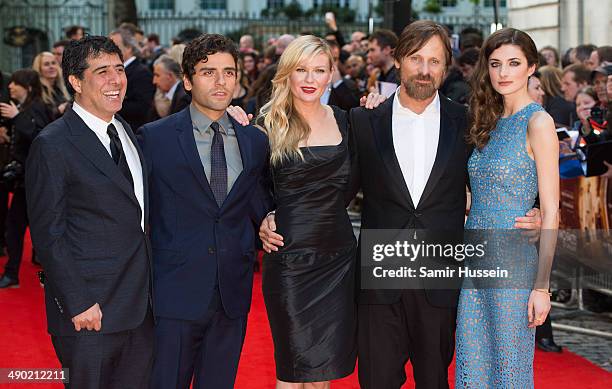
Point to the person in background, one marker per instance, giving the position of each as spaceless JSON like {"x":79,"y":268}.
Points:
{"x":534,"y":88}
{"x":563,"y":112}
{"x":380,"y":54}
{"x":599,"y":80}
{"x":153,"y":49}
{"x":355,"y":70}
{"x":140,"y":89}
{"x":249,"y":63}
{"x":54,"y":92}
{"x":241,"y":87}
{"x":29,"y":115}
{"x":574,"y":78}
{"x":356,"y":38}
{"x":58,"y":50}
{"x":582,"y":54}
{"x":260,"y":91}
{"x":5,"y":157}
{"x":586,"y":100}
{"x":551,"y":55}
{"x":342,"y":92}
{"x":600,"y":57}
{"x":281,"y":44}
{"x":247,"y":44}
{"x":170,"y":96}
{"x":74,"y":33}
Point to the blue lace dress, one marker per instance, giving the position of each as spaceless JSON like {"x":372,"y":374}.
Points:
{"x":494,"y":345}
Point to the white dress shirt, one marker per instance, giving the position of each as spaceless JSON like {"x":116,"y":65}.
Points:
{"x":415,"y":139}
{"x":129,"y":61}
{"x":170,"y":94}
{"x":99,"y":127}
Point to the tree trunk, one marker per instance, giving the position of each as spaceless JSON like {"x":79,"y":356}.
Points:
{"x":123,"y":11}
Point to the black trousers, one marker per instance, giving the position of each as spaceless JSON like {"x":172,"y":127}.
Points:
{"x":3,"y":213}
{"x":206,"y":350}
{"x":411,"y":329}
{"x":545,"y":330}
{"x":121,"y":360}
{"x":16,"y":224}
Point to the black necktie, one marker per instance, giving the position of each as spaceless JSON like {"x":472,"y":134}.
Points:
{"x":218,"y":166}
{"x":118,"y":154}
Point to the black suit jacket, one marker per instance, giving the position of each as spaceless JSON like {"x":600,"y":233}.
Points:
{"x":386,"y":199}
{"x":85,"y":224}
{"x":180,"y":100}
{"x":345,"y":96}
{"x":139,"y":95}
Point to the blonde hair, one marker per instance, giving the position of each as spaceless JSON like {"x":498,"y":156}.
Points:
{"x":47,"y":91}
{"x":284,"y":125}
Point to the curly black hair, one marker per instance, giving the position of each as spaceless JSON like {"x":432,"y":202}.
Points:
{"x":201,"y":47}
{"x":76,"y":54}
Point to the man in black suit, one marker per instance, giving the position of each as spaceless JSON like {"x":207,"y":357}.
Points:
{"x":140,"y":89}
{"x":170,"y":96}
{"x":409,"y":158}
{"x":87,"y":203}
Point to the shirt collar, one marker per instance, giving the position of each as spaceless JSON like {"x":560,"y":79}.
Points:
{"x":170,"y":93}
{"x":201,"y":122}
{"x":129,"y":61}
{"x":431,"y":109}
{"x":96,"y":124}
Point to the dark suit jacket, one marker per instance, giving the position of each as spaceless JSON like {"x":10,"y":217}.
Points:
{"x":195,"y":243}
{"x":139,"y":95}
{"x":85,"y":226}
{"x":180,"y":100}
{"x":345,"y":96}
{"x":386,"y":199}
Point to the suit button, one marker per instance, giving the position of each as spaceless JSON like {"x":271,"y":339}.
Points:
{"x":217,"y":220}
{"x":211,"y":250}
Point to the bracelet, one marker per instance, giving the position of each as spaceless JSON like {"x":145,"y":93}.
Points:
{"x":544,"y":291}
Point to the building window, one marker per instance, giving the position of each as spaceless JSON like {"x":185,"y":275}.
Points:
{"x":448,"y":3}
{"x":275,"y":4}
{"x":161,"y":4}
{"x":491,"y":3}
{"x":213,"y":4}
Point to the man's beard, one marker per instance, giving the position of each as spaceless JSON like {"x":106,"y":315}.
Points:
{"x":420,"y":91}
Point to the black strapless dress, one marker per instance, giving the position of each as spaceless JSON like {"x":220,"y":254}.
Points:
{"x":308,"y":285}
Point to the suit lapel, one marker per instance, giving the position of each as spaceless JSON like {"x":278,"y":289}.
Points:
{"x":186,"y":139}
{"x":244,"y":145}
{"x":87,"y":142}
{"x":448,"y":133}
{"x":382,"y":125}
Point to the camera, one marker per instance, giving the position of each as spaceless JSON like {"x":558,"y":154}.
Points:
{"x":12,"y":174}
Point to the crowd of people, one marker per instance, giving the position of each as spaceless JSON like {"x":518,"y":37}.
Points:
{"x":196,"y":193}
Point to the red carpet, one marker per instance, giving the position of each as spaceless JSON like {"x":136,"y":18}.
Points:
{"x":25,"y":343}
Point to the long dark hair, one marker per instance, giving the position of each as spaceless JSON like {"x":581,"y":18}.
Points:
{"x":30,"y":80}
{"x":486,"y":105}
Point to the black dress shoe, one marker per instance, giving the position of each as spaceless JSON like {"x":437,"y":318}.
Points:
{"x":7,"y":282}
{"x":548,"y":345}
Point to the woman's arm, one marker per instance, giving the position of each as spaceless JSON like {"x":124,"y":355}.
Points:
{"x":543,"y":145}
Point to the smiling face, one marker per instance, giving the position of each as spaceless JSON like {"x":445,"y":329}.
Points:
{"x":102,"y":89}
{"x":508,"y":69}
{"x":49,"y":68}
{"x":310,"y":78}
{"x":422,"y":72}
{"x":212,"y":84}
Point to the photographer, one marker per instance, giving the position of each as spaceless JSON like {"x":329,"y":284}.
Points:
{"x":27,"y":115}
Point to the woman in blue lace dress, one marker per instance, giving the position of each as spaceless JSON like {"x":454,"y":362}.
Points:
{"x":514,"y":161}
